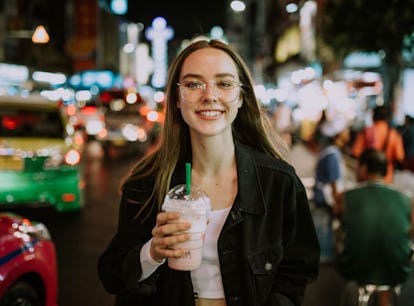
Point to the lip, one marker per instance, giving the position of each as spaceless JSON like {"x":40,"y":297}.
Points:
{"x":209,"y":113}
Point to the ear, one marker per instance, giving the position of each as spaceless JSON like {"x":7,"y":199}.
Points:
{"x":240,"y":102}
{"x":178,"y":104}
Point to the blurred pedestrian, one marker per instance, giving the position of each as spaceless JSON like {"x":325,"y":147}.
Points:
{"x":261,"y":247}
{"x":317,"y":133}
{"x":407,"y":134}
{"x":381,"y":136}
{"x":329,"y":179}
{"x":330,"y":167}
{"x":374,"y":238}
{"x":282,"y":122}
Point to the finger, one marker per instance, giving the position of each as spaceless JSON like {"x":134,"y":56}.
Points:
{"x":171,"y":240}
{"x":160,"y":251}
{"x":171,"y":253}
{"x":170,"y":228}
{"x":175,"y":253}
{"x":167,"y":246}
{"x":165,"y":216}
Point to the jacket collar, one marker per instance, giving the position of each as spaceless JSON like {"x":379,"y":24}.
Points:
{"x":250,"y":196}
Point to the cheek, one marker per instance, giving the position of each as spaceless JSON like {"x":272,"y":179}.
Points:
{"x":232,"y":114}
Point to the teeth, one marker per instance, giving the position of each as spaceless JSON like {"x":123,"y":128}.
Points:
{"x":210,"y":113}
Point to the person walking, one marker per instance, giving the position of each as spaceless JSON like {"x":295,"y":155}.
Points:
{"x":262,"y":248}
{"x":373,"y":243}
{"x":333,"y":135}
{"x":381,"y":136}
{"x":282,"y":122}
{"x":407,"y":134}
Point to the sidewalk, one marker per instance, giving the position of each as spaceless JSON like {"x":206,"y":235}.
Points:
{"x":327,"y":288}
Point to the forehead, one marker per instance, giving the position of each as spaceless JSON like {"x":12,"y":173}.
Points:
{"x":209,"y":62}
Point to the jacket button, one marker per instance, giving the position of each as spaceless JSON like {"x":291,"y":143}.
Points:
{"x":268,"y":266}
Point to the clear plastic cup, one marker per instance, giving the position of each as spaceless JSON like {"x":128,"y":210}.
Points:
{"x":194,"y":208}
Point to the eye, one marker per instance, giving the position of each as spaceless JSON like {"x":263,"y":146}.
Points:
{"x":225,"y":84}
{"x":193,"y":85}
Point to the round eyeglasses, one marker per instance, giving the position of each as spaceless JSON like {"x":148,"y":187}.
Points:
{"x":226,"y":90}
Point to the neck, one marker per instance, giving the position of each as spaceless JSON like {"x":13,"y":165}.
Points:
{"x":374,"y":178}
{"x":212,"y":156}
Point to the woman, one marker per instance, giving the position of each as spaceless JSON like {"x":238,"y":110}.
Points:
{"x":266,"y":247}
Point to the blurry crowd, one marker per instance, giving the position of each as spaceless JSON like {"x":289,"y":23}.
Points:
{"x":366,"y":230}
{"x":399,"y":142}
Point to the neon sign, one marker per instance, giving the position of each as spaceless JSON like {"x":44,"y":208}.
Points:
{"x":159,"y":33}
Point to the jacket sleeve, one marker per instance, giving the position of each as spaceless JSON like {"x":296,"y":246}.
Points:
{"x":119,"y":266}
{"x":301,"y":251}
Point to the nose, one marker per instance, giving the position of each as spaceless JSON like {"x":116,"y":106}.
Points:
{"x":210,"y":91}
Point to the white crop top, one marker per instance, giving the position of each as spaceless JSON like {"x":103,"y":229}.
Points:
{"x":207,"y":282}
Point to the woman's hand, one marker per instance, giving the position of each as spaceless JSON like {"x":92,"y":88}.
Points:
{"x":166,"y":234}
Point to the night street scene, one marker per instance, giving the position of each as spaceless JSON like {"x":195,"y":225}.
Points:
{"x":84,"y":96}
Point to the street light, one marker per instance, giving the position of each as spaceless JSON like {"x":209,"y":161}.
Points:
{"x":40,"y":35}
{"x":238,"y":6}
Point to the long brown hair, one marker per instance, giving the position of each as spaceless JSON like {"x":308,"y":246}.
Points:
{"x":251,"y":127}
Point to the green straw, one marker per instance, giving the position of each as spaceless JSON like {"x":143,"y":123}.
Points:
{"x":188,"y":178}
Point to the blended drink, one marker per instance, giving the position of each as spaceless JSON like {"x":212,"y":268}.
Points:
{"x":194,"y":208}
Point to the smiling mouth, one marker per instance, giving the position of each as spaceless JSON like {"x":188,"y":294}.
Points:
{"x":210,"y":113}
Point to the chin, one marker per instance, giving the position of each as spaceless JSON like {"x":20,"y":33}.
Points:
{"x":210,"y":131}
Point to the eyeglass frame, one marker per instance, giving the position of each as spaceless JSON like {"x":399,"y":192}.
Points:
{"x":213,"y":83}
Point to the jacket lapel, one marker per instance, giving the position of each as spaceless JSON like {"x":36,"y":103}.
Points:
{"x":250,"y":197}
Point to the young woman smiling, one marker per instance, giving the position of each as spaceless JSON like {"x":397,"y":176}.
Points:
{"x":260,"y":244}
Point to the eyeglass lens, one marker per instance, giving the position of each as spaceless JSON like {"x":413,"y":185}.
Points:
{"x":225,"y":91}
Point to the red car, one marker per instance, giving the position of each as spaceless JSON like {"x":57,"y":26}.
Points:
{"x":28,"y":264}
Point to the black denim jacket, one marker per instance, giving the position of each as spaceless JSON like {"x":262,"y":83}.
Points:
{"x":268,"y":249}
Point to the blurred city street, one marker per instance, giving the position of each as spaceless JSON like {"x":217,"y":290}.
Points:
{"x":81,"y":236}
{"x":326,"y":289}
{"x":85,"y":85}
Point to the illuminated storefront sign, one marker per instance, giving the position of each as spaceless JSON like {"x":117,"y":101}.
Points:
{"x":159,"y":33}
{"x":13,"y":74}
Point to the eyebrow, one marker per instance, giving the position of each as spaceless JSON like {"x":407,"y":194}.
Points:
{"x":198,"y":76}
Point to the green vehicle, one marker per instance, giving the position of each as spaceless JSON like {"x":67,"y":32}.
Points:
{"x":40,"y":155}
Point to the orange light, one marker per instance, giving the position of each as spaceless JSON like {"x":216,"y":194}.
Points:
{"x":72,"y":157}
{"x":103,"y":133}
{"x":26,"y":222}
{"x":89,"y":110}
{"x":71,"y":110}
{"x":79,"y":141}
{"x":40,"y":35}
{"x":82,"y":184}
{"x":68,"y":197}
{"x":161,"y":117}
{"x":144,"y":110}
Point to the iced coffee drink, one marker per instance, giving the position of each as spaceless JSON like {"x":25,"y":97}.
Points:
{"x":194,"y":208}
